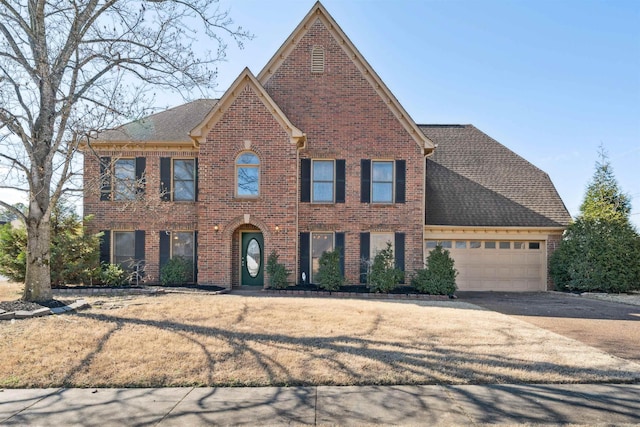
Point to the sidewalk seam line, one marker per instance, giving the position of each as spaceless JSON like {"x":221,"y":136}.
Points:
{"x":455,"y":402}
{"x":315,"y":412}
{"x":32,"y":405}
{"x":174,"y":407}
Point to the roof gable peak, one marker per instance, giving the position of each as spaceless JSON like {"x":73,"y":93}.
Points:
{"x":318,"y":12}
{"x":246,"y":78}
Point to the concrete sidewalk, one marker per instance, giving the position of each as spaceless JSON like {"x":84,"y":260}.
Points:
{"x":590,"y":404}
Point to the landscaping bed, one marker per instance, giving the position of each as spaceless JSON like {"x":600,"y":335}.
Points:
{"x":353,"y":289}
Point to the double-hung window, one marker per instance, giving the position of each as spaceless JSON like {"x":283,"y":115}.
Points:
{"x":320,"y":243}
{"x":178,"y":179}
{"x":184,"y":179}
{"x":179,"y":244}
{"x":124,"y":173}
{"x":121,"y":179}
{"x":382,"y":182}
{"x":124,"y":248}
{"x":323,"y":181}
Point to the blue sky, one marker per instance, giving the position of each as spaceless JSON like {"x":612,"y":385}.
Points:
{"x":551,"y":80}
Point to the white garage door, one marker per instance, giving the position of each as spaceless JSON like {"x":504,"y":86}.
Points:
{"x":494,"y":265}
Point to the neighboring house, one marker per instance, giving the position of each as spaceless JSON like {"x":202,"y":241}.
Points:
{"x":311,"y":154}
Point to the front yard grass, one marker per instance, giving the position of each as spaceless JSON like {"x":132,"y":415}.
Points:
{"x":233,"y":340}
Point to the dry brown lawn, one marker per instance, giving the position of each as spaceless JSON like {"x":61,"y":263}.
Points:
{"x":233,"y":340}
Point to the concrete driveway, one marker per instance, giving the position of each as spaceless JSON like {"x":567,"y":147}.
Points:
{"x":609,"y":326}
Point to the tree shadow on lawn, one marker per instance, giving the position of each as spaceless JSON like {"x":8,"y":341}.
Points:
{"x":402,"y":362}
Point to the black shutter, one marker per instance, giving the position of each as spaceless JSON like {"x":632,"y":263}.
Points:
{"x":399,"y":252}
{"x":195,"y":257}
{"x":305,"y":180}
{"x":165,"y":178}
{"x":141,"y":165}
{"x":365,"y":180}
{"x":304,"y":256}
{"x":105,"y":178}
{"x":365,"y":238}
{"x":340,"y":180}
{"x":165,"y":250}
{"x":195,"y":178}
{"x":340,"y":245}
{"x":105,"y":247}
{"x":401,"y":172}
{"x":139,"y":251}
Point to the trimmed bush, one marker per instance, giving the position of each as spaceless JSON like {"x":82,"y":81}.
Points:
{"x":277,"y":272}
{"x":439,"y":276}
{"x":384,"y":276}
{"x":113,"y":275}
{"x":177,"y":271}
{"x":329,"y":275}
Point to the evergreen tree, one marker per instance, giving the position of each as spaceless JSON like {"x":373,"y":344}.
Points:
{"x":601,"y":249}
{"x":604,"y":200}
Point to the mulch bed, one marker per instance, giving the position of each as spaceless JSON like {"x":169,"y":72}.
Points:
{"x":208,"y":288}
{"x":19,"y":305}
{"x":361,"y":289}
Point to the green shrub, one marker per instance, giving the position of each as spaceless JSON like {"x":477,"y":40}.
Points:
{"x":384,"y":276}
{"x":113,"y":275}
{"x":75,"y":255}
{"x":277,"y":272}
{"x":329,"y":275}
{"x":597,"y":255}
{"x":177,"y":271}
{"x":13,"y":254}
{"x":439,"y":276}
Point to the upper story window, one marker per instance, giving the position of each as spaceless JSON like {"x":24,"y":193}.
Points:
{"x":124,"y":179}
{"x":247,"y":175}
{"x":178,"y":179}
{"x":382,"y":181}
{"x":121,"y":179}
{"x":184,"y":179}
{"x":323,"y":181}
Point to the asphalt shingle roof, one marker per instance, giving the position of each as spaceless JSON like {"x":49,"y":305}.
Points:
{"x":473,"y":180}
{"x":172,"y":125}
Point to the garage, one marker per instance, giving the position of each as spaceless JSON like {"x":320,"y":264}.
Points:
{"x":497,"y":265}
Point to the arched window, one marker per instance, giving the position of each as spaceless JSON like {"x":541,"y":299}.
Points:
{"x":247,"y":175}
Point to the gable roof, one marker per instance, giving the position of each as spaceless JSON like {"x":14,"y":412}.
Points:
{"x":245,"y":78}
{"x":170,"y":126}
{"x":318,"y":12}
{"x":473,"y":180}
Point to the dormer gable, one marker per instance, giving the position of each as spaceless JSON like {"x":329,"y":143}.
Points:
{"x":244,"y":80}
{"x":319,"y":13}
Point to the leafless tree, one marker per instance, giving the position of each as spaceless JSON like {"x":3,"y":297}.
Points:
{"x":71,"y":68}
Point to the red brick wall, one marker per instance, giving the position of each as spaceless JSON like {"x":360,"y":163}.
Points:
{"x":345,"y":118}
{"x":246,"y":123}
{"x":149,"y":214}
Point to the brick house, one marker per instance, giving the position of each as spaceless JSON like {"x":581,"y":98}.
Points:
{"x":311,"y":154}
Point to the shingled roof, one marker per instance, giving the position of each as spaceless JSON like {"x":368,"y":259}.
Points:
{"x":473,"y":180}
{"x":171,"y":125}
